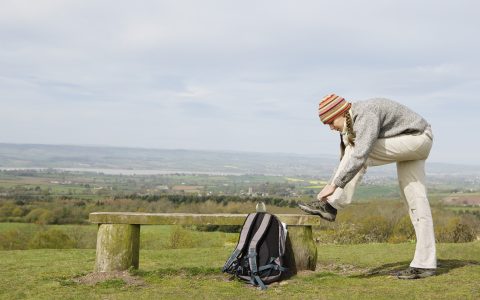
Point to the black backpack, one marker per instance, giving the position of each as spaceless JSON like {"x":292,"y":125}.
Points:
{"x":259,"y":255}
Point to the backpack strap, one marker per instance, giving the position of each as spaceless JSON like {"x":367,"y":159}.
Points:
{"x":273,"y":265}
{"x":252,"y":250}
{"x":282,"y":236}
{"x":246,"y":231}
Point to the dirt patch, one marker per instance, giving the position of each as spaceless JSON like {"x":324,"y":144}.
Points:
{"x":98,"y":277}
{"x":341,"y":269}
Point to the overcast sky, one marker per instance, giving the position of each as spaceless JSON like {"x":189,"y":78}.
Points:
{"x":233,"y":75}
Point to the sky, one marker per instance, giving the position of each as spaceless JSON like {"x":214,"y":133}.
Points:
{"x":233,"y":75}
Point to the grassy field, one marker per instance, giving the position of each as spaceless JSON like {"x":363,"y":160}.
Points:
{"x":463,"y":208}
{"x":343,"y":272}
{"x":151,"y":237}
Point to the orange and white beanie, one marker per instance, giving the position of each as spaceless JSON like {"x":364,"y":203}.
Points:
{"x":332,"y":106}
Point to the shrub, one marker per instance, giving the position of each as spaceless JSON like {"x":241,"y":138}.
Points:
{"x":463,"y":233}
{"x":221,"y":228}
{"x":83,"y":237}
{"x":455,"y":231}
{"x":6,"y":209}
{"x":402,"y":231}
{"x":15,"y":239}
{"x":180,"y":238}
{"x":346,"y":233}
{"x":337,"y":233}
{"x":51,"y":239}
{"x":18,"y":211}
{"x":375,"y":229}
{"x":40,"y":216}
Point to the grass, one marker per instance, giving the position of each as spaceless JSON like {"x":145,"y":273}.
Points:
{"x":365,"y":192}
{"x":463,"y":208}
{"x":314,"y":187}
{"x":9,"y":226}
{"x":343,"y":271}
{"x":151,"y":236}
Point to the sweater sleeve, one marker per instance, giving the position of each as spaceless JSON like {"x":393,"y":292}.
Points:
{"x":367,"y":128}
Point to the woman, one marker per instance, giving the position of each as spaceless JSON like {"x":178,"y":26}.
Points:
{"x":377,"y":132}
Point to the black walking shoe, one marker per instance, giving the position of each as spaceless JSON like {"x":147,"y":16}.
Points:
{"x":320,"y":208}
{"x":415,"y":273}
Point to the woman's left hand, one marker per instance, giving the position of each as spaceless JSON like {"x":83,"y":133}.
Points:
{"x":327,"y":191}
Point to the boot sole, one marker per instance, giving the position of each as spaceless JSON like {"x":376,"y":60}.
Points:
{"x":324,"y":215}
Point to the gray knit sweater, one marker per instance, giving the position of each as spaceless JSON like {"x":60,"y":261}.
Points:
{"x":374,"y":119}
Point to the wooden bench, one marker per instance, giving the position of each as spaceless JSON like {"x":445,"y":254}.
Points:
{"x":118,"y":237}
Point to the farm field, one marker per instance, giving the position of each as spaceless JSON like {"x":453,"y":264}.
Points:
{"x":343,"y":272}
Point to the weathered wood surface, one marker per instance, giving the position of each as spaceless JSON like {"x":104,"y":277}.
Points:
{"x":118,"y":247}
{"x":301,"y":249}
{"x":191,"y":219}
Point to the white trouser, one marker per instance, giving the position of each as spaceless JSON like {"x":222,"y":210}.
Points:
{"x":410,"y":153}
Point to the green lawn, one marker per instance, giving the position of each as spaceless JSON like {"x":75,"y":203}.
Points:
{"x":343,"y":271}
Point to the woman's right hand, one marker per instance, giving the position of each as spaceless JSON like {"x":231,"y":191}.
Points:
{"x":326,"y":191}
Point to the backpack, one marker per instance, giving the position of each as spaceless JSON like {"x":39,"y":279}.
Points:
{"x":259,"y":255}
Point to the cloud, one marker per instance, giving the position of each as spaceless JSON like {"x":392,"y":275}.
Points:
{"x":223,"y":75}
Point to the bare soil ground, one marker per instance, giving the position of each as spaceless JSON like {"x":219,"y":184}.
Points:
{"x":97,"y":277}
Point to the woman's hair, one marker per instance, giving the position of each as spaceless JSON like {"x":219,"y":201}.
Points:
{"x":350,"y":133}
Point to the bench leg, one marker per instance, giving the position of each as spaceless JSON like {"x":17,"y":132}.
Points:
{"x":302,"y":248}
{"x":118,"y":247}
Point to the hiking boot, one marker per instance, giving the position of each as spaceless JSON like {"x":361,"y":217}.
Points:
{"x":415,"y":273}
{"x":320,"y":208}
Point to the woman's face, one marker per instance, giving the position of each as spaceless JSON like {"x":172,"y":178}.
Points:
{"x":337,"y":124}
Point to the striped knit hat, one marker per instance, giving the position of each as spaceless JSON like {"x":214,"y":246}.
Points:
{"x":331,"y":107}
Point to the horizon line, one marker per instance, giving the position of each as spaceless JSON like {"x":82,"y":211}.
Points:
{"x":206,"y":150}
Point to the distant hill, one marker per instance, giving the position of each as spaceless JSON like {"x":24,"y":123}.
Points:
{"x":93,"y":157}
{"x":59,"y":156}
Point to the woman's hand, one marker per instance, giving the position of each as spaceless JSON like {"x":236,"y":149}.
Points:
{"x":326,"y":191}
